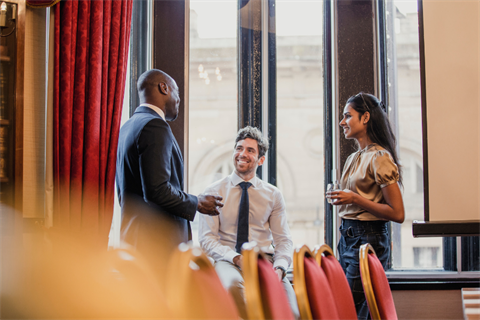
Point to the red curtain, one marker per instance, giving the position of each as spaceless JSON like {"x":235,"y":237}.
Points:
{"x":42,"y":3}
{"x":91,"y":51}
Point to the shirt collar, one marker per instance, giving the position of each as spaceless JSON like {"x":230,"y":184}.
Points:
{"x":236,"y":180}
{"x":154,"y":108}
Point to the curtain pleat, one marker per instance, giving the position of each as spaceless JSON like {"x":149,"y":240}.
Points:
{"x":41,"y":3}
{"x":90,"y":65}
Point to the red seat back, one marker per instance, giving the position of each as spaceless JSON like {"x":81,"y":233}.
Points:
{"x":274,"y":298}
{"x":340,"y":289}
{"x":209,"y":298}
{"x":320,"y":296}
{"x":381,"y":289}
{"x":194,"y":290}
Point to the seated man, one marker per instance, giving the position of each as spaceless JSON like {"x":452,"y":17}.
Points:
{"x":253,"y":210}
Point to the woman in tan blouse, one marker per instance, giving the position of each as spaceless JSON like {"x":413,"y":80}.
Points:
{"x":370,"y":195}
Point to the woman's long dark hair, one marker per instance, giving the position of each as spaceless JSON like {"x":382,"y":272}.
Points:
{"x":379,"y":129}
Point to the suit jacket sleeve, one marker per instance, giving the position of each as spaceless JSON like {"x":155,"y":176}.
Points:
{"x":161,"y":171}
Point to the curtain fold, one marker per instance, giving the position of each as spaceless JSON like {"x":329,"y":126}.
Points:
{"x":42,"y":3}
{"x":91,"y":51}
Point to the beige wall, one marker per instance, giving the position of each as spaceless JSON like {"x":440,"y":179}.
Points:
{"x":453,"y":108}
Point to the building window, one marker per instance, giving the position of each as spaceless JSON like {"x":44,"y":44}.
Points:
{"x":295,"y":40}
{"x":213,"y":93}
{"x":299,"y":46}
{"x":299,"y":103}
{"x":426,"y":257}
{"x":404,"y":92}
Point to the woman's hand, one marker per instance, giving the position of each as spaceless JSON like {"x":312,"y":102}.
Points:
{"x":341,"y":197}
{"x":392,"y":209}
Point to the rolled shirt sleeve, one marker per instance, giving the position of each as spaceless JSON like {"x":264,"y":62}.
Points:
{"x":282,"y":239}
{"x":209,"y":239}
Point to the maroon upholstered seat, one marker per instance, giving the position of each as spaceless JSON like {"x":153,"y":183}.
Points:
{"x":136,"y":288}
{"x":314,"y":295}
{"x":275,"y":301}
{"x":338,"y":282}
{"x":264,"y":293}
{"x":375,"y":284}
{"x":211,"y":300}
{"x":320,"y":295}
{"x":194,"y":289}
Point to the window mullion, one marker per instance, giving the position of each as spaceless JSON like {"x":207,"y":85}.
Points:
{"x":250,"y":65}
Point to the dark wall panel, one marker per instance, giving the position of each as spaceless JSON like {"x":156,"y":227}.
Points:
{"x":356,"y":52}
{"x":169,"y":53}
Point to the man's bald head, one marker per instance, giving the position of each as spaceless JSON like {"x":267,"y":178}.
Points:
{"x":159,"y":89}
{"x":151,"y":78}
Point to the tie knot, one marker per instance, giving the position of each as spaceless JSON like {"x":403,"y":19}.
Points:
{"x":245,"y":185}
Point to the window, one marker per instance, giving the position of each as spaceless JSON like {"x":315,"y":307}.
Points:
{"x":213,"y":112}
{"x":425,"y":257}
{"x":300,"y":164}
{"x":297,"y":100}
{"x":403,"y":61}
{"x":213,"y":93}
{"x":404,"y":92}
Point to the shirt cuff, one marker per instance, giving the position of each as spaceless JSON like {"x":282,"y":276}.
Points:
{"x":230,"y":255}
{"x":281,"y":263}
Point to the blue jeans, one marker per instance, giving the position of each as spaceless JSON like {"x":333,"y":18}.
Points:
{"x":354,"y":234}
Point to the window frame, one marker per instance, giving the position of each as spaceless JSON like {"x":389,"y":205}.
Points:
{"x":338,"y":86}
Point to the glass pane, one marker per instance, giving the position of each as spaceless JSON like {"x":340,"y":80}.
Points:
{"x":470,"y":254}
{"x":300,"y":164}
{"x":406,"y":115}
{"x":213,"y":93}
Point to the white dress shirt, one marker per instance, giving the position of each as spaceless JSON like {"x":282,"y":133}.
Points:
{"x":267,"y":221}
{"x":154,"y":108}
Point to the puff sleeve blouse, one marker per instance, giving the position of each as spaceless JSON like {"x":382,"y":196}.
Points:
{"x":366,"y":172}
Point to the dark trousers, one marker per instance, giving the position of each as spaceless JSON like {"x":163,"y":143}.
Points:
{"x":354,"y":234}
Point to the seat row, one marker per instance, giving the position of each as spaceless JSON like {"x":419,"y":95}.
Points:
{"x":323,"y":291}
{"x":193,"y":290}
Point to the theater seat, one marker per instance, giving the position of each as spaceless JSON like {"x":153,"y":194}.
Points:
{"x":338,"y":282}
{"x":194,"y":289}
{"x":136,"y":291}
{"x":264,"y":293}
{"x":375,"y":284}
{"x":314,"y":295}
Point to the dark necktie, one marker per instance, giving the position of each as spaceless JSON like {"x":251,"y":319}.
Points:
{"x":242,"y":228}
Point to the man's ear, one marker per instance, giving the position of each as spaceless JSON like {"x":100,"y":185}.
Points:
{"x":260,"y":162}
{"x":163,"y":87}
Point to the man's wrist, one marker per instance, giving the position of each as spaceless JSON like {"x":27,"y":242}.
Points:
{"x":284,"y":271}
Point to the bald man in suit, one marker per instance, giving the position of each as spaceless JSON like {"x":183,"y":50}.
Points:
{"x":156,"y":212}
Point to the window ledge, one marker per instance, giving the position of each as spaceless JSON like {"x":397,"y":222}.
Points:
{"x":433,"y":284}
{"x":431,"y":274}
{"x":432,"y":280}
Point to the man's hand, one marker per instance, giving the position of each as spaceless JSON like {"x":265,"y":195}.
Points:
{"x":208,"y":204}
{"x":279,"y":273}
{"x":238,"y":261}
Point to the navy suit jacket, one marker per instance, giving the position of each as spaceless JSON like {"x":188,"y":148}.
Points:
{"x":150,"y":179}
